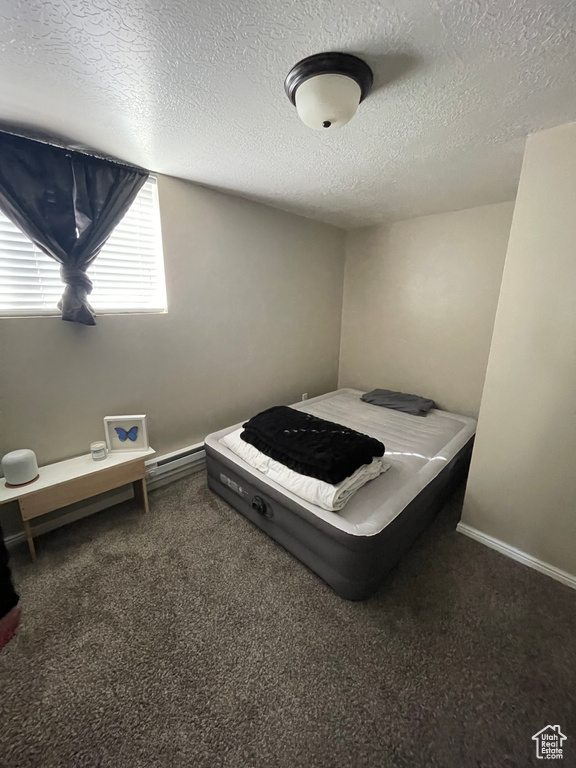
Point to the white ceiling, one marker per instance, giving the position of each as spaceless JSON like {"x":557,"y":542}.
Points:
{"x":194,"y":88}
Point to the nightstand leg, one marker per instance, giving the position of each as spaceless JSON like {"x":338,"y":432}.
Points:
{"x":140,"y":493}
{"x":28,"y":532}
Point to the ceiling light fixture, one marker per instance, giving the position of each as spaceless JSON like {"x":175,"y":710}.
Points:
{"x":326,"y":88}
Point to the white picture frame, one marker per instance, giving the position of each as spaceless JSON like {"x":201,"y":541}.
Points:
{"x":120,"y":435}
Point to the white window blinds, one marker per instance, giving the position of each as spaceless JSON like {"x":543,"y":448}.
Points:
{"x":128,"y":274}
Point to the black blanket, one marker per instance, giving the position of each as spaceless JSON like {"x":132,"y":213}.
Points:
{"x":309,"y":445}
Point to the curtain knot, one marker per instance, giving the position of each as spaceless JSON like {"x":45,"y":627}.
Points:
{"x":75,"y":277}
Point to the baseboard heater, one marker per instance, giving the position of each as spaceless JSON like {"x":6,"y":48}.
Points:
{"x":174,"y":466}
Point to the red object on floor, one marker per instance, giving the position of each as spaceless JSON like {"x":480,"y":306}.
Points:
{"x":9,"y":625}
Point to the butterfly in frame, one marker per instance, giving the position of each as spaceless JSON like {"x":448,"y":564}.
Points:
{"x":127,"y":434}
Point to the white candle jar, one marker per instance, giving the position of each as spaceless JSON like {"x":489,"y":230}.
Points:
{"x":98,"y":450}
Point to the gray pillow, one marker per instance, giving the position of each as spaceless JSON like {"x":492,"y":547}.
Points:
{"x":399,"y":401}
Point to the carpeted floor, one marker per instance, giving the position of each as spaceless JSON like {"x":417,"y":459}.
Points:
{"x":188,"y":639}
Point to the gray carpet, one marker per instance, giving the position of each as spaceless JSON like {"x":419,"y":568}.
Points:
{"x":187,"y":638}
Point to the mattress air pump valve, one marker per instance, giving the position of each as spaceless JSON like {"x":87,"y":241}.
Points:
{"x":260,"y":506}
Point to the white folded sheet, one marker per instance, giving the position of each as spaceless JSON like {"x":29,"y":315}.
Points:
{"x":330,"y":497}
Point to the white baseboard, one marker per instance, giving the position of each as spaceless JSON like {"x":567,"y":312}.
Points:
{"x":516,"y":554}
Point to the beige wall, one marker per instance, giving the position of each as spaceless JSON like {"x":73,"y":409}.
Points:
{"x":419,"y":303}
{"x":254,"y":319}
{"x":522,"y":485}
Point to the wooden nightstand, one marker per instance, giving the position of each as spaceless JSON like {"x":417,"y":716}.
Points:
{"x":75,"y":480}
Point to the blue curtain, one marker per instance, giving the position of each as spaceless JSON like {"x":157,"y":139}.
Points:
{"x":68,"y":203}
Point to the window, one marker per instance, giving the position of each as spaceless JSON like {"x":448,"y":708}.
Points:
{"x":128,"y":274}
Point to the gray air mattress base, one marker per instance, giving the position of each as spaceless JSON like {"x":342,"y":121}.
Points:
{"x":353,"y":565}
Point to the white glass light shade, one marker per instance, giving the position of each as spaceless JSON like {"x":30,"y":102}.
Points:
{"x":326,"y":102}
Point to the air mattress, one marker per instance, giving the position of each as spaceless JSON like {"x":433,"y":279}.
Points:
{"x":353,"y":550}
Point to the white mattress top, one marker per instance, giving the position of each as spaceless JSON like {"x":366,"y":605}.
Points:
{"x":417,"y":447}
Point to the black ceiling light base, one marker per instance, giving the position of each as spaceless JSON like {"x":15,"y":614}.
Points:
{"x":329,"y":64}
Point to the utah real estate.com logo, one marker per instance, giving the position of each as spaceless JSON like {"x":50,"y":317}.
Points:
{"x":549,"y":743}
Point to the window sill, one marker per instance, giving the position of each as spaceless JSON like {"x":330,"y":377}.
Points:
{"x":98,"y":313}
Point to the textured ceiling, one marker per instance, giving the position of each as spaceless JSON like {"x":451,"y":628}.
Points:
{"x":194,"y":89}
